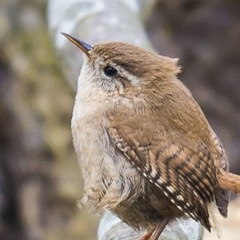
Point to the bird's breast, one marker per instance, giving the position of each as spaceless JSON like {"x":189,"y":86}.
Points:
{"x":108,"y":177}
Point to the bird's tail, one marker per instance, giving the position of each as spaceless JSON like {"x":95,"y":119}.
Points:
{"x":229,"y":181}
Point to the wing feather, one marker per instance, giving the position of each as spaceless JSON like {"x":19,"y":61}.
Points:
{"x":171,"y":144}
{"x":173,"y":173}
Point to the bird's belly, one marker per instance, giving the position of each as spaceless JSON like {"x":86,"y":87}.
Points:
{"x":108,"y":176}
{"x":148,"y":209}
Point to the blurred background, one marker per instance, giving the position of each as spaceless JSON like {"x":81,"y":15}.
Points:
{"x":40,"y":180}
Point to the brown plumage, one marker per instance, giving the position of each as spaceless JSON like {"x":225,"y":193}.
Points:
{"x":146,"y":149}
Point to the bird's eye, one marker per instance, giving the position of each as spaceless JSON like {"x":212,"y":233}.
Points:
{"x":110,"y":71}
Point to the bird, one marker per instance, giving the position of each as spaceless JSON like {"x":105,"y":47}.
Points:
{"x":145,"y":147}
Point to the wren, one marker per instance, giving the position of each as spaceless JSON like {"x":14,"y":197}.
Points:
{"x":146,"y":150}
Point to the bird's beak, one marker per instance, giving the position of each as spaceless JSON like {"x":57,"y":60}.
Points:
{"x":82,"y":45}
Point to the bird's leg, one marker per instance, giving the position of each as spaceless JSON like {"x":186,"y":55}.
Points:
{"x":157,"y":232}
{"x":146,"y":236}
